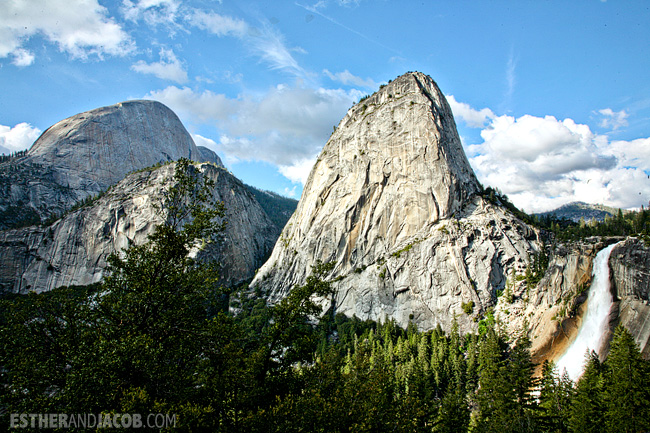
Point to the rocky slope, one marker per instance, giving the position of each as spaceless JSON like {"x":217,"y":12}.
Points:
{"x":630,"y":273}
{"x":394,"y":203}
{"x":553,"y":308}
{"x":84,"y":154}
{"x":74,"y":249}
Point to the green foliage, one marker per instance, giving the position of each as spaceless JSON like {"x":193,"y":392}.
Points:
{"x":496,"y":197}
{"x":628,"y":224}
{"x":158,"y":335}
{"x":19,"y":216}
{"x":626,"y":383}
{"x":631,"y":223}
{"x":279,"y":209}
{"x":406,"y":249}
{"x":468,"y":307}
{"x":555,"y":395}
{"x":536,"y":270}
{"x":13,"y":155}
{"x":587,"y":406}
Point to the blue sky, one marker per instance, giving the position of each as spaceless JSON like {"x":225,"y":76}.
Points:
{"x":551,"y":98}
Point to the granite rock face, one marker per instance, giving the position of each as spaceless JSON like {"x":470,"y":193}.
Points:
{"x":552,"y":309}
{"x":84,"y":154}
{"x":74,"y":249}
{"x":394,"y":203}
{"x":629,"y":263}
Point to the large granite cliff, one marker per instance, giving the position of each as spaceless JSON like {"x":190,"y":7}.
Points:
{"x":630,"y":276}
{"x":84,"y":154}
{"x":394,"y":203}
{"x":74,"y":249}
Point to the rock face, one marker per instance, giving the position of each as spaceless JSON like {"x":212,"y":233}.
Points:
{"x":552,"y":310}
{"x":394,"y":203}
{"x":84,"y":154}
{"x":73,"y":250}
{"x":630,"y":273}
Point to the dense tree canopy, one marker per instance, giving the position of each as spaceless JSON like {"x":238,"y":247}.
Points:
{"x":159,"y":336}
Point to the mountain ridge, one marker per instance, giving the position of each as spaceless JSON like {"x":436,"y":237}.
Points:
{"x":82,"y":155}
{"x":393,"y":202}
{"x":577,"y":210}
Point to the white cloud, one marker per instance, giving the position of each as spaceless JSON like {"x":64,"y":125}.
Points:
{"x":200,"y":140}
{"x":79,"y":27}
{"x":285,"y":126}
{"x":635,"y":153}
{"x":472,"y":117}
{"x":22,"y":57}
{"x":543,"y":162}
{"x":20,"y":137}
{"x":262,"y":41}
{"x":347,"y":78}
{"x":268,"y":44}
{"x":291,"y":193}
{"x":298,"y":172}
{"x":153,"y":12}
{"x":205,"y":106}
{"x":349,"y":3}
{"x":169,"y":67}
{"x":216,"y":24}
{"x":613,"y":119}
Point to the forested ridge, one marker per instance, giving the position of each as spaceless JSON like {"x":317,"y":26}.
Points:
{"x":159,"y":336}
{"x":628,"y":223}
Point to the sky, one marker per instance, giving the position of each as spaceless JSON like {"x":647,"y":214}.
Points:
{"x":551,"y":98}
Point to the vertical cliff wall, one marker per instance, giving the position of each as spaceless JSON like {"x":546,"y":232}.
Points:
{"x":394,"y":203}
{"x":74,"y":249}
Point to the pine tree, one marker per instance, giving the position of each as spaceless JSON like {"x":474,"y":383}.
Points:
{"x":627,"y":386}
{"x":587,"y":406}
{"x":495,"y":396}
{"x":520,"y":371}
{"x":555,"y":394}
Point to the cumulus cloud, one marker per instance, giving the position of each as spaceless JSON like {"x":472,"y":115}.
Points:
{"x":79,"y":27}
{"x":613,"y":119}
{"x":472,"y":117}
{"x":188,"y":104}
{"x":542,"y":162}
{"x":200,"y":140}
{"x":298,"y":172}
{"x":19,"y":137}
{"x":168,"y":68}
{"x":635,"y":153}
{"x":22,"y":57}
{"x":285,"y":126}
{"x":347,"y":78}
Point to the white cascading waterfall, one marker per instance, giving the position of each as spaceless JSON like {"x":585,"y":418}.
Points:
{"x":595,"y":321}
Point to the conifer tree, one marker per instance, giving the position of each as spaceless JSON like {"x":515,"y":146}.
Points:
{"x":627,"y":386}
{"x":555,"y":394}
{"x":587,"y":407}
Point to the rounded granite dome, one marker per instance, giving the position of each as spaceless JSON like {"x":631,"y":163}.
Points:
{"x":97,"y":148}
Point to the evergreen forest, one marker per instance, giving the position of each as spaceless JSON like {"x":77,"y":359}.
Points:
{"x":158,"y":335}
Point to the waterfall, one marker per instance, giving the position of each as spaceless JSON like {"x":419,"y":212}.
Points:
{"x":595,"y":321}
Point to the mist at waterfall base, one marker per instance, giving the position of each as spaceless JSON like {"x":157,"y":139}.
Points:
{"x":595,"y":321}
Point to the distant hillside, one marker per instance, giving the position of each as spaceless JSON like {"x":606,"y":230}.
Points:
{"x":576,"y":210}
{"x":278,"y":208}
